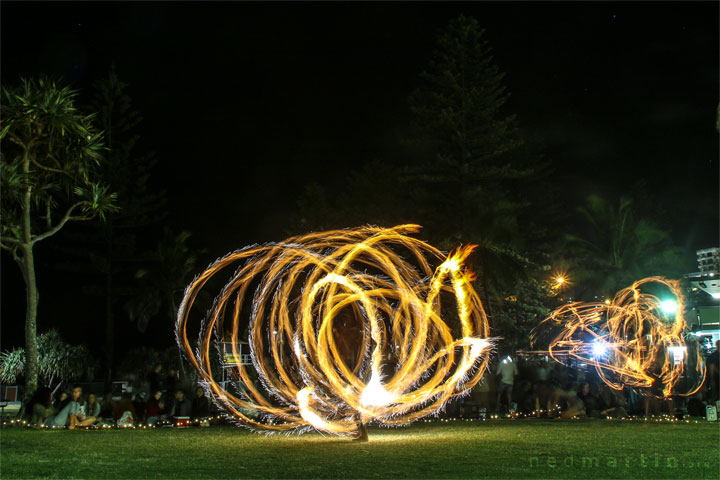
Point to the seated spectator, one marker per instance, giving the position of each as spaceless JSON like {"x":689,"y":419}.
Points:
{"x":41,"y":406}
{"x":200,"y":405}
{"x":140,"y":406}
{"x":590,"y":401}
{"x":61,"y":399}
{"x":613,"y":402}
{"x":92,"y":406}
{"x":71,"y":415}
{"x":124,"y":411}
{"x":181,"y":407}
{"x":107,"y":407}
{"x":570,"y":405}
{"x":155,"y":408}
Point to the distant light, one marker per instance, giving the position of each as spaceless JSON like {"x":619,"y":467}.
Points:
{"x":607,"y":302}
{"x":678,"y":354}
{"x":669,"y":306}
{"x":715,"y":295}
{"x":599,"y":349}
{"x":560,"y":280}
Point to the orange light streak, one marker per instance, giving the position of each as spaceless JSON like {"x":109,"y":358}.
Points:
{"x":626,"y":339}
{"x":420,"y":334}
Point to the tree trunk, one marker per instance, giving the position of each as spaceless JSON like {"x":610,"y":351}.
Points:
{"x":31,"y":294}
{"x":31,"y":348}
{"x":109,"y":327}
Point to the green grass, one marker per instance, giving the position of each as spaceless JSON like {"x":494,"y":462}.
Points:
{"x":493,"y":449}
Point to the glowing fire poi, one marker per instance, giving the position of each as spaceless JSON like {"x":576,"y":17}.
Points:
{"x":343,"y":330}
{"x":628,"y":339}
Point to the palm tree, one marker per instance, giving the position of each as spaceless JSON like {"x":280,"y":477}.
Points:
{"x":617,"y":248}
{"x":48,"y":170}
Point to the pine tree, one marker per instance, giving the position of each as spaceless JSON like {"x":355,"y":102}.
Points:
{"x":114,"y":249}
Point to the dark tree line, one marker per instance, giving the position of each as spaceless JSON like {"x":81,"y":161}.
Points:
{"x":468,"y":173}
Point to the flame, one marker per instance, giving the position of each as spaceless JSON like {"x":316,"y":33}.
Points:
{"x":626,"y":339}
{"x":375,"y":395}
{"x":331,"y":310}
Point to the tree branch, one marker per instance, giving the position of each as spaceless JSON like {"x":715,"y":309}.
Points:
{"x":9,"y":239}
{"x":49,"y":169}
{"x":68,"y":216}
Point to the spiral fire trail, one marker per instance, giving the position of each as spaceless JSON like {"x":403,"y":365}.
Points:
{"x":345,"y":327}
{"x":627,"y":339}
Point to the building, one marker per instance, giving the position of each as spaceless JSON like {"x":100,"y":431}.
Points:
{"x":704,"y":319}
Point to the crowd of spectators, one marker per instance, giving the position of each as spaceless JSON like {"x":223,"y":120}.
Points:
{"x":528,"y":386}
{"x":166,"y":403}
{"x":532,"y":386}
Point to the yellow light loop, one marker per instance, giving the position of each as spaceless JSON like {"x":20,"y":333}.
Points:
{"x":344,"y":327}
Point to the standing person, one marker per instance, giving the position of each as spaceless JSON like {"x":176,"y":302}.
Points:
{"x":140,"y":406}
{"x":506,"y":371}
{"x":171,"y":381}
{"x":713,"y":372}
{"x":157,"y":378}
{"x":71,"y":415}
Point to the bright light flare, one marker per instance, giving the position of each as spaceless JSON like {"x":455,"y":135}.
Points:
{"x":599,"y":349}
{"x":669,"y":306}
{"x":375,"y":395}
{"x":559,"y":281}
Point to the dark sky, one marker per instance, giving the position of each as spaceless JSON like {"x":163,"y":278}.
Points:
{"x":244,"y":103}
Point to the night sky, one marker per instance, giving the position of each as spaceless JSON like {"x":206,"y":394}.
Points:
{"x":244,"y":104}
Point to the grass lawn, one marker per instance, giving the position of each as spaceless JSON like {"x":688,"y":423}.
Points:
{"x":492,"y":449}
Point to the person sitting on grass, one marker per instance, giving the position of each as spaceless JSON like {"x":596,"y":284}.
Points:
{"x":613,"y":402}
{"x":200,"y":405}
{"x":61,"y":399}
{"x":107,"y":407}
{"x":181,"y":407}
{"x":155,"y":408}
{"x":72,"y":415}
{"x":41,"y":406}
{"x":590,"y":400}
{"x":92,"y":406}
